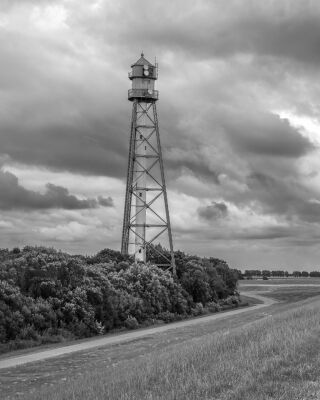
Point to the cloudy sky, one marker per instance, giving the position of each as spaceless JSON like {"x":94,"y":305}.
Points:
{"x":239,"y":120}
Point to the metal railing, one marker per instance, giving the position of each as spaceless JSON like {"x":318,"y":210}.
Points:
{"x":143,"y":93}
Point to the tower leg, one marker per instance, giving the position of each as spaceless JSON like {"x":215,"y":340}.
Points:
{"x":165,"y":197}
{"x":128,"y":198}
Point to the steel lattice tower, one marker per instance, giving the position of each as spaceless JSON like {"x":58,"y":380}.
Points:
{"x":146,"y":211}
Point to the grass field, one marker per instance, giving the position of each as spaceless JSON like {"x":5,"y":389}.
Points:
{"x":293,"y":294}
{"x":285,"y":290}
{"x":276,"y":358}
{"x":269,"y":354}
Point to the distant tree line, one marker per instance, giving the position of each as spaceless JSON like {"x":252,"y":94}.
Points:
{"x":47,"y":295}
{"x":250,"y":273}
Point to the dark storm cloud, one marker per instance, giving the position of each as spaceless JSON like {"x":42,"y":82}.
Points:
{"x":76,"y":117}
{"x":210,"y":29}
{"x":198,"y":166}
{"x":213,"y":211}
{"x":105,"y":201}
{"x":266,"y":232}
{"x":58,"y":110}
{"x":265,"y":134}
{"x":283,"y":197}
{"x":294,"y":35}
{"x":13,"y":196}
{"x":90,"y":147}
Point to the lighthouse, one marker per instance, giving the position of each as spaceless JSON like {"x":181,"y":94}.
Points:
{"x":146,"y":211}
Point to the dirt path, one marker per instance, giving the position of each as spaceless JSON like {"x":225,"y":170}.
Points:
{"x":14,"y":361}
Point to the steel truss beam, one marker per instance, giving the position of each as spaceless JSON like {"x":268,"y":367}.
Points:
{"x":142,"y":134}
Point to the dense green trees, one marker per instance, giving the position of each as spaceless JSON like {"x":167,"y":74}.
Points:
{"x":46,"y":295}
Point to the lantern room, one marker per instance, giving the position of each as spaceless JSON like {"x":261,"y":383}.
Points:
{"x":143,"y":76}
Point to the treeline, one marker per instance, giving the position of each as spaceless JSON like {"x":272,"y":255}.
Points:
{"x":250,"y":273}
{"x":47,"y":295}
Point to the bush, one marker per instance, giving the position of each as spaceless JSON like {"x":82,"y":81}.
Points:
{"x":131,"y":323}
{"x":197,"y":310}
{"x":213,"y":307}
{"x":230,"y":301}
{"x":28,"y":333}
{"x":167,"y":316}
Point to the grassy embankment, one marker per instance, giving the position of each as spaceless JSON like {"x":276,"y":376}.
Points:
{"x":277,"y":358}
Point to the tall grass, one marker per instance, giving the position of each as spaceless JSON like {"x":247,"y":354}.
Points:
{"x":277,"y":358}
